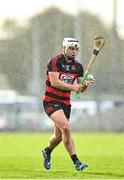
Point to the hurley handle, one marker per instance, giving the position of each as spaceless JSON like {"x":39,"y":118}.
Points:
{"x":77,"y":95}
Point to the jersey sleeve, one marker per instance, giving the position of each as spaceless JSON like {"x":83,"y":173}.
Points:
{"x":52,"y":65}
{"x":80,"y":70}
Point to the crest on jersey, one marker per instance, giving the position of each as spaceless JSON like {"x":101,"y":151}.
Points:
{"x":73,"y":68}
{"x":67,"y":79}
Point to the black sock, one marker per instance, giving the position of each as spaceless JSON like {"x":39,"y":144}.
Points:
{"x":48,"y":150}
{"x":74,"y":158}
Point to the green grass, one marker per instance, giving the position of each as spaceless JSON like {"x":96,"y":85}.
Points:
{"x":20,"y":156}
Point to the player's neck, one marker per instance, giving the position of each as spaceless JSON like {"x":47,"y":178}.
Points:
{"x":67,"y":59}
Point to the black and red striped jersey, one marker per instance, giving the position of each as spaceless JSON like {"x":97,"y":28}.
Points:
{"x":68,"y":72}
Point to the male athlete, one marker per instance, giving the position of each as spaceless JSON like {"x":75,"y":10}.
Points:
{"x":62,"y":71}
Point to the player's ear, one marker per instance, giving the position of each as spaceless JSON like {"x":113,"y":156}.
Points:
{"x":63,"y":48}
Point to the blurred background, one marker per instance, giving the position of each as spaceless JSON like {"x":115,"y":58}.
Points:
{"x":31,"y":32}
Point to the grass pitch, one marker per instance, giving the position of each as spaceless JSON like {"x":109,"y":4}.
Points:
{"x":20,"y":156}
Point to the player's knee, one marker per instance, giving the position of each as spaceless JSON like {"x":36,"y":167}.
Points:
{"x":59,"y":137}
{"x":66,"y":128}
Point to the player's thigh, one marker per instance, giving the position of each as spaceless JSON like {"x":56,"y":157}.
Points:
{"x":60,"y":119}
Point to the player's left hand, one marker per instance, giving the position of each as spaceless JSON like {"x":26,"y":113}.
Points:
{"x":89,"y":82}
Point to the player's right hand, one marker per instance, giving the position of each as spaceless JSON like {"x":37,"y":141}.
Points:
{"x":79,"y":88}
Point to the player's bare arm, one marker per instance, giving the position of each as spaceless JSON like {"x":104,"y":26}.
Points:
{"x":57,"y":83}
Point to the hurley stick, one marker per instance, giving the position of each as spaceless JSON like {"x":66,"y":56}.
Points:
{"x":97,"y":46}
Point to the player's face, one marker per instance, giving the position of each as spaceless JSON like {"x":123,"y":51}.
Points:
{"x":71,"y":52}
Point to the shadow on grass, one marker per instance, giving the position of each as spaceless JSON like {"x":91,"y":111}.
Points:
{"x":105,"y":174}
{"x":58,"y":174}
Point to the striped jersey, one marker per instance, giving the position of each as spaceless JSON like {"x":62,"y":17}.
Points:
{"x":68,"y":72}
